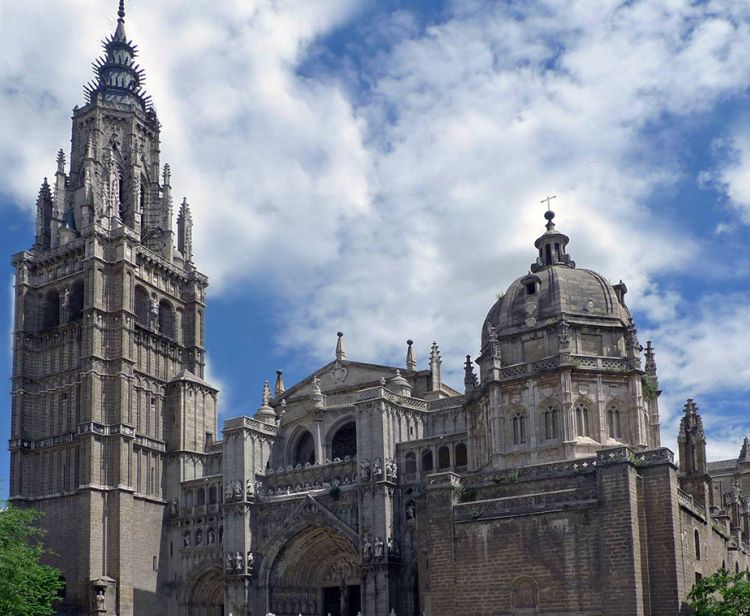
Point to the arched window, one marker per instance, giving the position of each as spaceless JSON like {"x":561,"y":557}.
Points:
{"x":582,"y":420}
{"x":51,"y":310}
{"x":411,"y":463}
{"x":697,"y":539}
{"x":166,"y":319}
{"x":551,"y":421}
{"x":141,"y":303}
{"x":75,"y":302}
{"x":613,"y":422}
{"x":427,"y":463}
{"x":444,"y":457}
{"x":519,"y":428}
{"x":344,"y":442}
{"x":461,"y":457}
{"x":525,"y":594}
{"x":304,"y":452}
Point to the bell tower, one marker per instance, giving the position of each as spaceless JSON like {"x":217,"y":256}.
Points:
{"x":108,"y":332}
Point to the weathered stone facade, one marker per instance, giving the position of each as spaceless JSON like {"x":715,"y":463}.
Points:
{"x":541,"y":489}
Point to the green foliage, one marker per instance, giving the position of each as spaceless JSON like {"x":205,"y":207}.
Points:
{"x":721,"y":594}
{"x":27,"y":588}
{"x":649,"y":389}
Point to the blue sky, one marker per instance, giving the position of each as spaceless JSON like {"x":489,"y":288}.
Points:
{"x":377,"y":168}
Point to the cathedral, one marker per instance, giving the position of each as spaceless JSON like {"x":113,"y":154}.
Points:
{"x":541,"y":487}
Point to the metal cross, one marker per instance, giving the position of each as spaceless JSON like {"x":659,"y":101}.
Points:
{"x":547,"y":200}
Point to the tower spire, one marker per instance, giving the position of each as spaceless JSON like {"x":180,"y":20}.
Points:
{"x":551,"y":244}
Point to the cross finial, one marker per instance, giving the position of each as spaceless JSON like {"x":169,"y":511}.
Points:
{"x":547,"y":201}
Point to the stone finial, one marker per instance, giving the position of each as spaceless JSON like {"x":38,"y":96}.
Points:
{"x":470,"y":378}
{"x":435,"y":362}
{"x":340,"y":351}
{"x":265,"y":412}
{"x":90,"y":146}
{"x":650,"y":366}
{"x":279,"y":389}
{"x":167,"y":175}
{"x":61,"y":161}
{"x":121,"y":10}
{"x":411,"y":362}
{"x":745,"y":451}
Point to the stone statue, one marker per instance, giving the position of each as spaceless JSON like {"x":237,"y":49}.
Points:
{"x":391,"y":468}
{"x":250,"y":562}
{"x":153,"y":313}
{"x":210,"y":536}
{"x":411,"y":511}
{"x":186,"y":539}
{"x":379,"y":546}
{"x":377,"y":469}
{"x":228,"y":492}
{"x":198,"y":537}
{"x":229,"y":563}
{"x":316,"y":391}
{"x":364,"y":470}
{"x":367,"y":550}
{"x":249,"y":488}
{"x":238,"y":562}
{"x":236,"y":490}
{"x":100,"y":601}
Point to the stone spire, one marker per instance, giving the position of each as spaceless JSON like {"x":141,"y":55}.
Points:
{"x":279,"y":389}
{"x":435,"y":363}
{"x":184,"y":230}
{"x":340,"y":351}
{"x":118,"y":78}
{"x":470,"y":379}
{"x":411,"y":362}
{"x":265,"y":412}
{"x":44,"y":207}
{"x":744,"y":456}
{"x":650,"y":366}
{"x":692,"y":441}
{"x":551,"y":246}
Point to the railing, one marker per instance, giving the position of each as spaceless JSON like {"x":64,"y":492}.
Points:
{"x":310,"y":477}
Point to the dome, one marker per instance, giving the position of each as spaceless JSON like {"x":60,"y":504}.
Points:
{"x":555,"y":287}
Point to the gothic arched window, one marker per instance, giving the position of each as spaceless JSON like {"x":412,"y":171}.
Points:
{"x":582,"y":419}
{"x":75,"y":302}
{"x":166,"y":319}
{"x":519,"y":429}
{"x":52,"y":310}
{"x":410,"y":463}
{"x":551,"y":421}
{"x":427,"y":463}
{"x":461,"y":457}
{"x":444,"y":457}
{"x":613,"y":422}
{"x":697,"y":539}
{"x":304,"y":452}
{"x":344,"y":441}
{"x":141,"y":304}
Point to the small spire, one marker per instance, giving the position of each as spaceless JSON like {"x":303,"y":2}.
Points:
{"x":650,"y":359}
{"x":411,"y":362}
{"x":551,"y":245}
{"x":266,"y":393}
{"x":340,"y":352}
{"x":167,"y":176}
{"x":90,"y":146}
{"x":121,"y":11}
{"x":745,"y":450}
{"x":266,"y":413}
{"x":435,"y":362}
{"x":61,"y":161}
{"x":279,"y":383}
{"x":470,"y":379}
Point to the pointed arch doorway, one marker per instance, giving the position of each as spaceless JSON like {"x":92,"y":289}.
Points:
{"x":206,"y":595}
{"x":316,"y":572}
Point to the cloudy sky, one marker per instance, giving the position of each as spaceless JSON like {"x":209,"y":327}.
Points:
{"x":376,"y":167}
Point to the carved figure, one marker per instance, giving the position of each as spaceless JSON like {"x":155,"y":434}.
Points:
{"x":210,"y":536}
{"x":377,"y":469}
{"x":228,"y":492}
{"x":367,"y":550}
{"x":153,"y":313}
{"x":238,"y":562}
{"x":391,"y":469}
{"x":411,"y":511}
{"x":379,"y":547}
{"x":364,"y":470}
{"x":250,"y":562}
{"x":186,"y":539}
{"x":316,"y":386}
{"x":198,"y":537}
{"x":249,"y":488}
{"x":236,"y":490}
{"x":100,"y":601}
{"x":229,"y":563}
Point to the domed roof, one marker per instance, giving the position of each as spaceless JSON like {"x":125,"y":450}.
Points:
{"x":555,"y":288}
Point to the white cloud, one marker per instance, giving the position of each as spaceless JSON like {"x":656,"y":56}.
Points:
{"x":402,"y":211}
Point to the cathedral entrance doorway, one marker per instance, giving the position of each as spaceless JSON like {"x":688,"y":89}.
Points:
{"x":207,"y":594}
{"x":316,"y":572}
